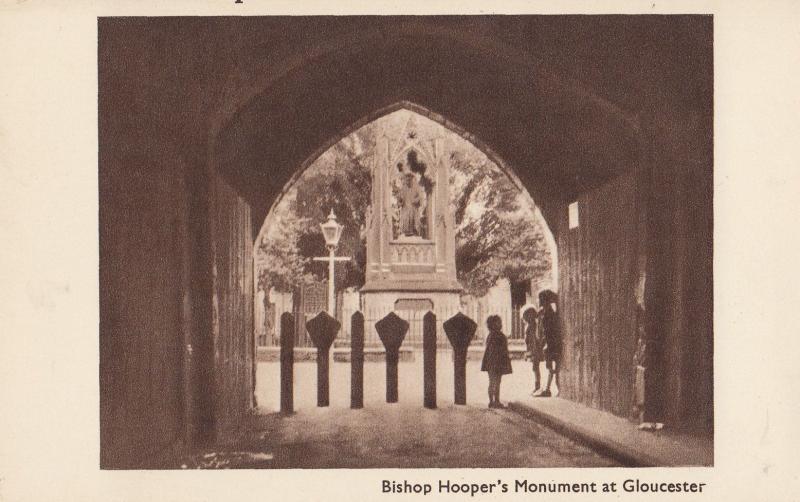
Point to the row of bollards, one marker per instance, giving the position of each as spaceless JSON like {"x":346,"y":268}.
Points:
{"x":392,"y":329}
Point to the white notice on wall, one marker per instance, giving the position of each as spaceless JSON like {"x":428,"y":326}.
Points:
{"x":573,"y":215}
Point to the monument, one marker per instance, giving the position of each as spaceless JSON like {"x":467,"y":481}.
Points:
{"x":410,"y":229}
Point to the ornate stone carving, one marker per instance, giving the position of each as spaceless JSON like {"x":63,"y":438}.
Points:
{"x":411,"y":259}
{"x":412,"y":252}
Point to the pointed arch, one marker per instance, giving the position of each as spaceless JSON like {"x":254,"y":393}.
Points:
{"x":439,"y":119}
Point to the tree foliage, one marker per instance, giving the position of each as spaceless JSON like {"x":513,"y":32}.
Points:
{"x":498,"y":232}
{"x":338,"y":180}
{"x":279,"y":261}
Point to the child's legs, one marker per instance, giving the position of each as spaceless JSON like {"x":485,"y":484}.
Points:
{"x":494,"y":387}
{"x":550,"y":365}
{"x":553,"y":367}
{"x":537,"y":374}
{"x":499,"y":378}
{"x":557,"y":370}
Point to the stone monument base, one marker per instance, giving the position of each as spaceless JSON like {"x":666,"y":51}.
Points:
{"x":411,"y":306}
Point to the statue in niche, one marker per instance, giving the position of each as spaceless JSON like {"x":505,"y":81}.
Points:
{"x":412,"y":197}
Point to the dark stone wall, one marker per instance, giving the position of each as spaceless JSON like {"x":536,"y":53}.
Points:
{"x":154,"y":267}
{"x":679,"y":293}
{"x":233,"y":333}
{"x":141,"y":224}
{"x":599,"y":268}
{"x":627,"y":234}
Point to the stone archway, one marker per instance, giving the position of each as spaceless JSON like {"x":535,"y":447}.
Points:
{"x":450,"y":138}
{"x":561,"y":132}
{"x":562,"y":139}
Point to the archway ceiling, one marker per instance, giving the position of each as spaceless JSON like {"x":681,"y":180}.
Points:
{"x":560,"y":135}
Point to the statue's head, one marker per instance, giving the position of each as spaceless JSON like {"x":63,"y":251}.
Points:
{"x":414,"y":164}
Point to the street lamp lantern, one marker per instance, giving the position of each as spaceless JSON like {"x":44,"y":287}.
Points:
{"x":331,"y":231}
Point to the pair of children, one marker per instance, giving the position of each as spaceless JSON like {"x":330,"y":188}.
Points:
{"x":544,"y":344}
{"x":543,"y":340}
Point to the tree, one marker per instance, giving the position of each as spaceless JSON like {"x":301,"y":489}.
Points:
{"x":338,"y":180}
{"x":499,"y":233}
{"x":279,"y":261}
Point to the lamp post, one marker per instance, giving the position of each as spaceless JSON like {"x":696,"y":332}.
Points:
{"x":332,"y":232}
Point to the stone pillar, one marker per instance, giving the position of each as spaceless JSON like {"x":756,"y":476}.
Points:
{"x":384,"y":202}
{"x":441,"y":200}
{"x":372,"y":217}
{"x":449,"y":237}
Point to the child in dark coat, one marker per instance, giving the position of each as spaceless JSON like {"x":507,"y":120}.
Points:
{"x":535,"y":344}
{"x":496,"y":361}
{"x":551,"y":329}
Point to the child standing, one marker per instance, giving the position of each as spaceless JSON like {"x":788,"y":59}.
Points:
{"x":496,"y":360}
{"x":535,"y":344}
{"x":551,"y":329}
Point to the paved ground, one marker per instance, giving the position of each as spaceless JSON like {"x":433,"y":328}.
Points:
{"x":395,"y":435}
{"x":619,"y":437}
{"x":516,"y":385}
{"x":409,"y":436}
{"x":400,"y":436}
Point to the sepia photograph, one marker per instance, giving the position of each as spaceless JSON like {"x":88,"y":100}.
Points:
{"x":406,"y":241}
{"x":390,"y":251}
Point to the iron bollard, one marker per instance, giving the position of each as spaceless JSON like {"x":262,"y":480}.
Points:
{"x":429,"y":359}
{"x":357,"y":361}
{"x":287,"y":363}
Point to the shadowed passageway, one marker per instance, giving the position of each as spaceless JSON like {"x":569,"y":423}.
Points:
{"x":399,"y":435}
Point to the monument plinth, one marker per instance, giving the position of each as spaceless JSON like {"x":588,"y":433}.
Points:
{"x":410,"y":229}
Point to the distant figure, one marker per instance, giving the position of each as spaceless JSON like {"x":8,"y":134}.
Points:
{"x":534,"y":342}
{"x":496,"y":361}
{"x":551,"y":331}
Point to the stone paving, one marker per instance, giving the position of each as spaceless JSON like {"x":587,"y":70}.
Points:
{"x":404,"y":434}
{"x":514,"y":386}
{"x":619,"y":437}
{"x":400,"y":435}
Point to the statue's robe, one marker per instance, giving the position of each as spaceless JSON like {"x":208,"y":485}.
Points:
{"x":410,"y":199}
